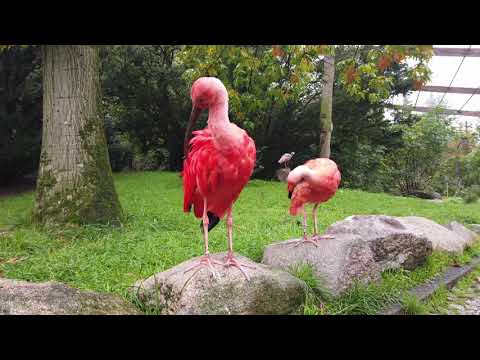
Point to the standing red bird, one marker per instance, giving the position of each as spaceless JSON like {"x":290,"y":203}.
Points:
{"x":314,"y":182}
{"x":219,"y":161}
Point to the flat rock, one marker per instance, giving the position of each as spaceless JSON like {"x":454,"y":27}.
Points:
{"x":426,"y":194}
{"x":468,"y":235}
{"x":364,"y":246}
{"x":53,"y":298}
{"x":337,"y":263}
{"x":269,"y":291}
{"x":441,"y":237}
{"x":391,"y":242}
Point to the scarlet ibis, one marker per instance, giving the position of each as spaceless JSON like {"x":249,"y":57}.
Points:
{"x":219,"y":161}
{"x":314,"y":182}
{"x":286,"y":158}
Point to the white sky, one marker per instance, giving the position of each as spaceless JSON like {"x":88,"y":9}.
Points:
{"x":443,"y":68}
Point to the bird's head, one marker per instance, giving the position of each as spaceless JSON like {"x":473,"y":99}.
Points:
{"x":206,"y":92}
{"x":292,"y":153}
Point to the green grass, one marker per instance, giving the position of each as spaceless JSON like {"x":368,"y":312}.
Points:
{"x":158,"y":235}
{"x":411,"y":305}
{"x":439,"y":302}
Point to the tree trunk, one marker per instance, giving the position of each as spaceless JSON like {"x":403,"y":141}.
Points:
{"x":75,"y":182}
{"x":326,"y":125}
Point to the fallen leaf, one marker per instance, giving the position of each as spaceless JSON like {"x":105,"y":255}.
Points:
{"x":13,"y":260}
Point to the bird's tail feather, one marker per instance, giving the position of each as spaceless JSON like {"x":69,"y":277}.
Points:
{"x":213,"y":220}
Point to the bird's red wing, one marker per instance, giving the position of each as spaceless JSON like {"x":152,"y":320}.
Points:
{"x":218,"y":177}
{"x":190,"y":191}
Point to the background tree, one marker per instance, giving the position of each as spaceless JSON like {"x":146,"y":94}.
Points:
{"x":75,"y":183}
{"x":326,"y":124}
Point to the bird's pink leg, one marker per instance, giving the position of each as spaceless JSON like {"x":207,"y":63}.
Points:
{"x":315,"y":236}
{"x":230,"y":259}
{"x":205,"y":259}
{"x":305,"y":238}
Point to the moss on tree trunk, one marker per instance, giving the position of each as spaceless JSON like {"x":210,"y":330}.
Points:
{"x":75,"y":183}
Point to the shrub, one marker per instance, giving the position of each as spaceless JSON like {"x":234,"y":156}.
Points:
{"x":471,"y":194}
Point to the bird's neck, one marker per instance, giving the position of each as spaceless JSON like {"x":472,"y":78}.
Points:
{"x":218,"y":115}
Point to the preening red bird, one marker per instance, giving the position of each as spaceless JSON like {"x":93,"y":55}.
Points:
{"x":219,"y":161}
{"x":314,"y":182}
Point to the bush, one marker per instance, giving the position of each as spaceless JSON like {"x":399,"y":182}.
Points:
{"x":414,"y":165}
{"x":471,"y":194}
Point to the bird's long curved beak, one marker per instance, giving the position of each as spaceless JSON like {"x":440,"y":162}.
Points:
{"x":188,"y":132}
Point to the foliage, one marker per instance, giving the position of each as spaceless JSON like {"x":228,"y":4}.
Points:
{"x":274,"y":94}
{"x":459,"y":171}
{"x":471,"y":194}
{"x":20,"y":112}
{"x":413,"y":165}
{"x":373,"y":76}
{"x":147,"y":106}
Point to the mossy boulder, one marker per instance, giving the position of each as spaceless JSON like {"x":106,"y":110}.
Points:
{"x":53,"y":298}
{"x":268,"y":291}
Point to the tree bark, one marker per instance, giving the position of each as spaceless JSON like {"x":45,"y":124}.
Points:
{"x":326,"y":125}
{"x":75,"y":182}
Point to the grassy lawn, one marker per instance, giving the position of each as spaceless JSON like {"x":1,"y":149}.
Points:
{"x":158,"y":235}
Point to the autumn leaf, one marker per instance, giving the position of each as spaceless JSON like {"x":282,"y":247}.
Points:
{"x":351,"y":74}
{"x":384,"y":62}
{"x":277,"y":51}
{"x":418,"y":84}
{"x":398,"y":57}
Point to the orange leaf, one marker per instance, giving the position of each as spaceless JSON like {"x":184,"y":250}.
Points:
{"x":384,"y":62}
{"x":418,"y":84}
{"x":398,"y":57}
{"x":351,"y":74}
{"x":277,"y":51}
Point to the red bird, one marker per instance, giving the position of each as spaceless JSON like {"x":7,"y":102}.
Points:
{"x":219,"y":161}
{"x":314,"y":182}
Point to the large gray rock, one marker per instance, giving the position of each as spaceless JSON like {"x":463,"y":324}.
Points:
{"x":363,"y":247}
{"x":426,"y":195}
{"x":337,"y":263}
{"x":468,"y":235}
{"x":392,"y":244}
{"x":269,"y":291}
{"x":442,"y":237}
{"x":53,"y":298}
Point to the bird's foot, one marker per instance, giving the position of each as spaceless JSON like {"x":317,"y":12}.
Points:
{"x":304,"y":240}
{"x":316,"y":237}
{"x":207,"y":261}
{"x":230,"y":260}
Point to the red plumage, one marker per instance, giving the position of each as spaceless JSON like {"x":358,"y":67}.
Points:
{"x":218,"y":163}
{"x":217,"y":174}
{"x":314,"y":182}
